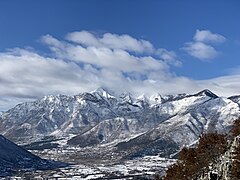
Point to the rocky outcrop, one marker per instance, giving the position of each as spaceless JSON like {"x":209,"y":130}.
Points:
{"x":223,"y":168}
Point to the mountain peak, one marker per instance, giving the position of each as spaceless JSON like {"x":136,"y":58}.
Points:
{"x":235,"y":98}
{"x":102,"y":92}
{"x":206,"y":92}
{"x":100,"y":89}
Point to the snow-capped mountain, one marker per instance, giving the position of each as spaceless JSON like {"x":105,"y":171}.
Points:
{"x":14,"y":158}
{"x":142,"y":125}
{"x":185,"y":128}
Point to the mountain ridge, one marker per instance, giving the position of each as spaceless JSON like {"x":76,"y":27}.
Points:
{"x":98,"y":117}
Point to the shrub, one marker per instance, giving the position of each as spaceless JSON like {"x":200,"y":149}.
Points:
{"x":194,"y":161}
{"x":236,"y":128}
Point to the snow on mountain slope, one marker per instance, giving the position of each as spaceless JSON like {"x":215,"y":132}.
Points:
{"x":185,"y":128}
{"x":99,"y":117}
{"x":136,"y":123}
{"x":108,"y":131}
{"x":70,"y":114}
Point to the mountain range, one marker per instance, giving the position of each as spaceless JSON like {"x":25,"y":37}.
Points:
{"x":141,"y":125}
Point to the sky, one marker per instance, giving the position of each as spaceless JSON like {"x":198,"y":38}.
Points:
{"x":139,"y":46}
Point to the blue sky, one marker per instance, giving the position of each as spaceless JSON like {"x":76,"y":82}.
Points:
{"x":193,"y":45}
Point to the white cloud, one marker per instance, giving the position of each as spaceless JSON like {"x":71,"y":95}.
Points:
{"x":27,"y":74}
{"x":91,"y":47}
{"x":168,"y":56}
{"x":200,"y":48}
{"x":103,"y":57}
{"x":207,"y":36}
{"x":112,"y":41}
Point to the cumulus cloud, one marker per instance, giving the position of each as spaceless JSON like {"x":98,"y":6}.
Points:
{"x":208,"y":37}
{"x":200,"y":47}
{"x":200,"y":50}
{"x":112,"y":41}
{"x":26,"y":74}
{"x":103,"y":57}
